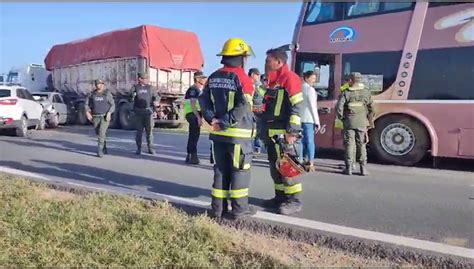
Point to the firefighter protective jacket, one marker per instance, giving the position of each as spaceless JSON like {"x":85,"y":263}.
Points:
{"x":282,"y":102}
{"x":227,"y":97}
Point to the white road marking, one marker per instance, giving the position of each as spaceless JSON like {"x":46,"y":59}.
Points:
{"x":87,"y":186}
{"x":22,"y":173}
{"x":305,"y":223}
{"x":370,"y":235}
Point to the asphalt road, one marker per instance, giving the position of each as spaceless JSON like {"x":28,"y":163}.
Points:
{"x":417,"y":202}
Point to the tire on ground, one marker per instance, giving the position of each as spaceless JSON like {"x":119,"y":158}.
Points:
{"x":42,"y":124}
{"x":22,"y":130}
{"x":389,"y":141}
{"x":125,"y":117}
{"x":54,"y":122}
{"x":81,"y":118}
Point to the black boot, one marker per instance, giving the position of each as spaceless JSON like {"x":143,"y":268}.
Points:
{"x":187,"y":158}
{"x":348,"y":170}
{"x":234,"y":215}
{"x":363,"y":169}
{"x":105,"y":149}
{"x":151,"y":150}
{"x":139,"y":151}
{"x":290,"y":207}
{"x":194,"y":159}
{"x":275,"y":202}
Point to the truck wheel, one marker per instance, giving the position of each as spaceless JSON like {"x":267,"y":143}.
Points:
{"x":126,"y":117}
{"x":81,"y":118}
{"x":54,"y":122}
{"x":22,"y":130}
{"x":174,"y":125}
{"x":42,"y":124}
{"x":114,"y":122}
{"x":399,"y":140}
{"x":71,"y":117}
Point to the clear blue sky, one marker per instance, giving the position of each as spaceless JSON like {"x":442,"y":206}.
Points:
{"x":29,"y":30}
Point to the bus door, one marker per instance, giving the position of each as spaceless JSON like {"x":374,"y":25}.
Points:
{"x":324,"y":66}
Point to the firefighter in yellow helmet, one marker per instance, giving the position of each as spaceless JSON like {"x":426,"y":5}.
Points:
{"x":226,"y":104}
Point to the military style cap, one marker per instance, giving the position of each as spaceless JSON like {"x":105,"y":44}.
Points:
{"x":199,"y":74}
{"x":254,"y":71}
{"x":98,"y":81}
{"x":356,"y":75}
{"x":143,"y":75}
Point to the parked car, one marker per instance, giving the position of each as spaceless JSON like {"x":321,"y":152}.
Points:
{"x":19,"y":111}
{"x":55,"y":107}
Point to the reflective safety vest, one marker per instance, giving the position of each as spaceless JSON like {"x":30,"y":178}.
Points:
{"x":282,"y":111}
{"x":188,"y":108}
{"x":258,"y":96}
{"x":224,"y":100}
{"x":192,"y":93}
{"x":344,"y":87}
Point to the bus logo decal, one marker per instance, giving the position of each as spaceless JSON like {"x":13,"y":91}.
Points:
{"x":342,"y":34}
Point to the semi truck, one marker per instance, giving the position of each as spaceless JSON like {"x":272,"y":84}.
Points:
{"x":170,"y":57}
{"x":33,"y":77}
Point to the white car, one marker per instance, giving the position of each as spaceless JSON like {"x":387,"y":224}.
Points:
{"x":54,"y":104}
{"x":19,"y":111}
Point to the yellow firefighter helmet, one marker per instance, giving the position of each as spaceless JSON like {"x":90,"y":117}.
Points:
{"x":236,"y":47}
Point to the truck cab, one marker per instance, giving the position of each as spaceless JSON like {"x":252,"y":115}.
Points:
{"x":32,"y":76}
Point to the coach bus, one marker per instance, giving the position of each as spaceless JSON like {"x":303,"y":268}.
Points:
{"x":416,"y":58}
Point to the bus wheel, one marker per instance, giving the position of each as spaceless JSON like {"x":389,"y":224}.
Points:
{"x":399,"y":140}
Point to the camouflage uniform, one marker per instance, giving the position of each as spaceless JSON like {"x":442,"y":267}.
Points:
{"x":99,"y":104}
{"x":354,"y":109}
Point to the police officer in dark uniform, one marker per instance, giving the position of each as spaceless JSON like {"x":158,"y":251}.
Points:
{"x":99,"y":108}
{"x":226,"y":106}
{"x":193,"y":115}
{"x":145,"y":98}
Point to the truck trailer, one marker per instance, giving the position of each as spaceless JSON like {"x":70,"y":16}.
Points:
{"x":170,"y":57}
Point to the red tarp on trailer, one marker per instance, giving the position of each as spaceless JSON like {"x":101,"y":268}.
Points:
{"x":164,"y":48}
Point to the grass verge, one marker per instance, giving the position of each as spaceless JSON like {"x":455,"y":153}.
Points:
{"x":40,"y":226}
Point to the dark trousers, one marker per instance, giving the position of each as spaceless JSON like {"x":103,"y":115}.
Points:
{"x":355,"y":142}
{"x":286,"y":189}
{"x":144,"y":120}
{"x":100,"y":125}
{"x":194,"y":132}
{"x":231,"y":177}
{"x":258,"y":141}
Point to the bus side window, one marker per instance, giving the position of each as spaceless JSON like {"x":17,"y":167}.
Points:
{"x":443,"y":74}
{"x":378,"y":69}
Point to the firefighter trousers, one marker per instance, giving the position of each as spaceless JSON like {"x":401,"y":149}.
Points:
{"x":231,"y":177}
{"x":286,"y":189}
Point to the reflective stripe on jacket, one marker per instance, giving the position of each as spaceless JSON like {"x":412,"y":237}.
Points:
{"x":224,"y":99}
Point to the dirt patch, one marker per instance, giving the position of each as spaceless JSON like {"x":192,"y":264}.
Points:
{"x":453,"y":241}
{"x":54,"y":195}
{"x":291,"y":252}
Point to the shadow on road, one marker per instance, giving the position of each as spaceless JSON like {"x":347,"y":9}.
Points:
{"x":101,"y":176}
{"x":90,"y":150}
